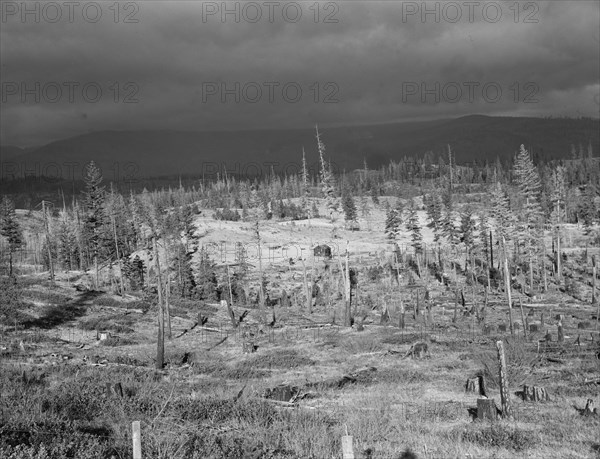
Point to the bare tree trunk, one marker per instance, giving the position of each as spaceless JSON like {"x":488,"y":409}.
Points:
{"x":167,"y":304}
{"x":47,"y":229}
{"x":234,"y":322}
{"x":558,"y":254}
{"x":118,"y":257}
{"x":401,"y":320}
{"x":455,"y":306}
{"x":531,"y":270}
{"x":507,"y":286}
{"x":160,"y":343}
{"x":261,"y":292}
{"x":307,"y":291}
{"x":593,"y":279}
{"x":348,"y":316}
{"x":97,"y":271}
{"x":504,"y":393}
{"x":491,"y":252}
{"x":523,"y":318}
{"x":544,"y":267}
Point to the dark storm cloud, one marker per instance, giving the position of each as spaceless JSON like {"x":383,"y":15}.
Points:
{"x":372,"y":58}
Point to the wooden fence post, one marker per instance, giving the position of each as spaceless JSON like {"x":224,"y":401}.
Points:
{"x":347,"y":448}
{"x":504,"y":394}
{"x":137,"y":440}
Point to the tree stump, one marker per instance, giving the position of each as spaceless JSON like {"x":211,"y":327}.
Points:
{"x":561,"y":335}
{"x":476,"y":385}
{"x":472,"y":385}
{"x":385,"y":316}
{"x":488,"y":329}
{"x":116,"y":389}
{"x":589,"y":409}
{"x":282,"y":393}
{"x":248,"y":347}
{"x":535,"y":394}
{"x":486,"y":409}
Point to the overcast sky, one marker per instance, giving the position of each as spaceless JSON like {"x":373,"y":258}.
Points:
{"x":374,"y":62}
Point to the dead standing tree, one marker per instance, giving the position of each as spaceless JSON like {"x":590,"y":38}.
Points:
{"x":507,"y":286}
{"x":504,"y":393}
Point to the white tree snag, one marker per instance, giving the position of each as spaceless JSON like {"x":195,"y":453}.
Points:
{"x":160,"y":342}
{"x":504,"y":393}
{"x":507,"y":287}
{"x":348,"y":288}
{"x":307,"y":291}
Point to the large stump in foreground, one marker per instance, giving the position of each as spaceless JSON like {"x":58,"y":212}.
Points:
{"x":487,"y":409}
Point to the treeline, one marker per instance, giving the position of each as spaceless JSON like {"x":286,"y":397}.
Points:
{"x":102,"y":226}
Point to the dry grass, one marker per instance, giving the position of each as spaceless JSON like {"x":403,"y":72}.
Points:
{"x":209,"y":404}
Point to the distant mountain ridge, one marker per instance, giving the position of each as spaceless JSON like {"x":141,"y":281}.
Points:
{"x":123,"y":154}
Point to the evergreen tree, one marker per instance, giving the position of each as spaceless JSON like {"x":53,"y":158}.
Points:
{"x":530,"y":229}
{"x":374,"y":194}
{"x":135,"y":271}
{"x":365,"y":211}
{"x":501,"y":213}
{"x":67,"y":245}
{"x":182,"y":265}
{"x":349,"y":209}
{"x":95,"y":217}
{"x":449,"y":229}
{"x":10,"y":229}
{"x":414,"y":227}
{"x":393,"y":221}
{"x":327,"y":181}
{"x":206,"y":279}
{"x":588,"y":209}
{"x":435,"y":208}
{"x":557,"y":195}
{"x":467,"y":228}
{"x":484,"y":230}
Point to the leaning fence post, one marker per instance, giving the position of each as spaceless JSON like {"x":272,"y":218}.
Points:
{"x":137,"y":440}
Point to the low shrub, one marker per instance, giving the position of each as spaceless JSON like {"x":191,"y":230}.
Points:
{"x":521,"y":363}
{"x":498,"y":435}
{"x":280,"y":359}
{"x":116,"y":324}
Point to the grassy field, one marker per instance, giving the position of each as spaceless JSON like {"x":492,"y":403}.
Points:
{"x":212,"y":400}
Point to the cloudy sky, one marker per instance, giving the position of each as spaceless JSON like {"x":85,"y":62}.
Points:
{"x":182,"y":65}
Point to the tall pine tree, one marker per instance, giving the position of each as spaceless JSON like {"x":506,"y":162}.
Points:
{"x":10,"y":229}
{"x":94,"y":221}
